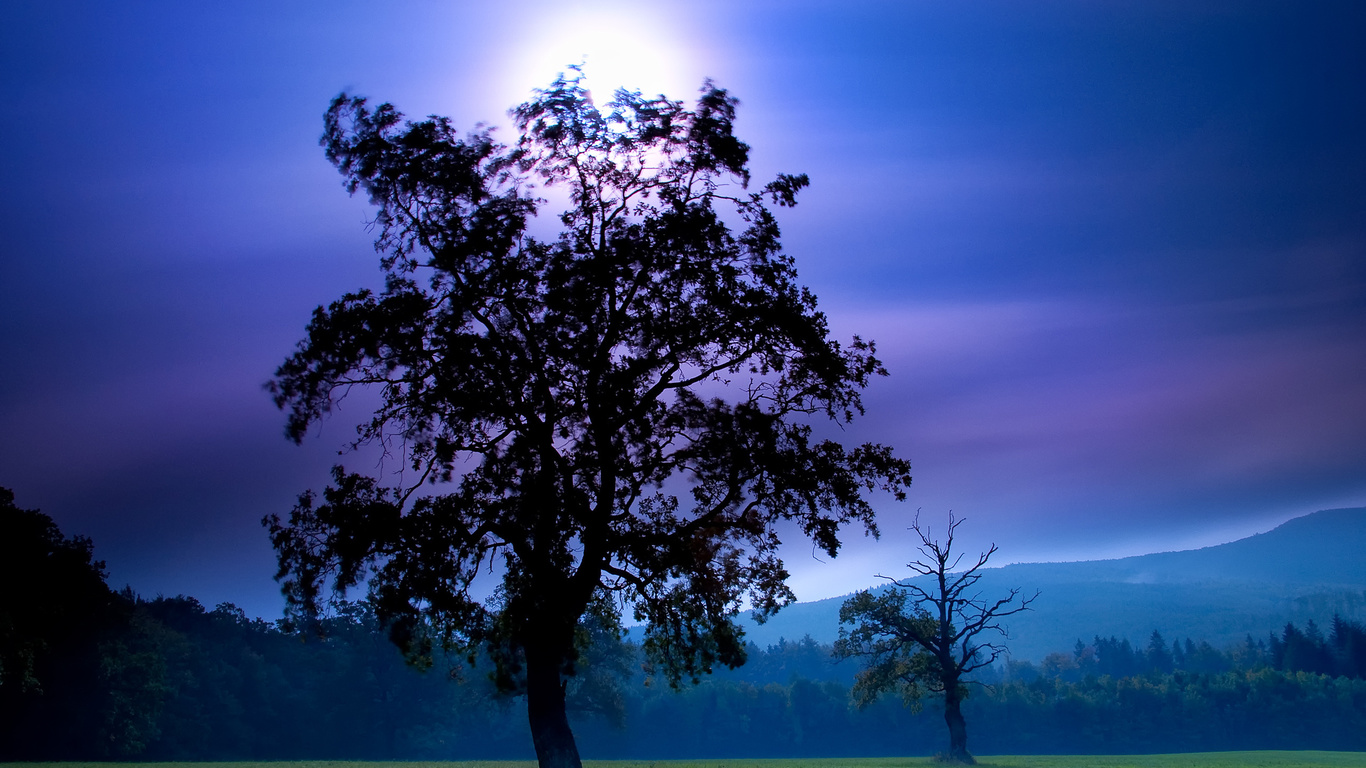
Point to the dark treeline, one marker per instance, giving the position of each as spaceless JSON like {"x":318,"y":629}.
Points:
{"x":179,"y":682}
{"x":1340,"y":653}
{"x":170,"y":680}
{"x":87,"y":673}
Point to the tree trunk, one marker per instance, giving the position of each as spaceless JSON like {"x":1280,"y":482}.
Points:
{"x":555,"y":747}
{"x":958,"y":727}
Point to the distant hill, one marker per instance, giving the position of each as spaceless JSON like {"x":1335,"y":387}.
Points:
{"x":1306,"y":569}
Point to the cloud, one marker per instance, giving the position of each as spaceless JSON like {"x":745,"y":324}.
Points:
{"x":1069,"y":426}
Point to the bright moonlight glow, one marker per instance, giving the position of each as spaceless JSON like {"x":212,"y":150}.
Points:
{"x":618,"y":46}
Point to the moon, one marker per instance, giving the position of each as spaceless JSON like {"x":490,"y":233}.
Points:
{"x":618,"y":46}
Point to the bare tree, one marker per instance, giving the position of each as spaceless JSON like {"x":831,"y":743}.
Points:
{"x":916,"y":636}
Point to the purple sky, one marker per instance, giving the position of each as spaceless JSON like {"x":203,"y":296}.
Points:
{"x":1113,"y":252}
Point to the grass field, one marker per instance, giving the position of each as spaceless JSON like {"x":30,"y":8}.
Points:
{"x":1191,"y":760}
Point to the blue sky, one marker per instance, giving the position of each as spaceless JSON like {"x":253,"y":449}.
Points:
{"x":1114,"y":253}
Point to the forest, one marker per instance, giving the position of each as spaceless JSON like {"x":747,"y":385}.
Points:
{"x":89,"y":673}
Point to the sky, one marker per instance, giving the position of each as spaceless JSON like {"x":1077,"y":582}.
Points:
{"x":1113,"y":253}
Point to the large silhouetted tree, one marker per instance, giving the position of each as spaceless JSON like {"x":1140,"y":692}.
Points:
{"x":922,"y":634}
{"x":612,"y":418}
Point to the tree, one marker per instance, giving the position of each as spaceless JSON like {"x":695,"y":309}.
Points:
{"x":1158,"y":658}
{"x":916,"y":636}
{"x":1348,"y":642}
{"x":614,"y":419}
{"x":67,"y":689}
{"x":64,"y":591}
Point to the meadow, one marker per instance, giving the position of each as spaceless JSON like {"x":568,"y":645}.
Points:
{"x":1264,"y":759}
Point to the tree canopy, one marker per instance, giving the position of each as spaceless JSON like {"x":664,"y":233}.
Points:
{"x":64,"y":593}
{"x":54,"y":606}
{"x":612,"y":419}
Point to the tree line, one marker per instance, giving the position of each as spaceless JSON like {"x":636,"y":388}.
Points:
{"x":183,"y":682}
{"x":89,"y":673}
{"x":1339,"y":653}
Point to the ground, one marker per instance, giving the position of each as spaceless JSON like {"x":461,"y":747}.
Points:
{"x":1193,"y":760}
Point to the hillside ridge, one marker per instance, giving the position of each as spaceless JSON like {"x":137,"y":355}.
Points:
{"x":1309,"y":567}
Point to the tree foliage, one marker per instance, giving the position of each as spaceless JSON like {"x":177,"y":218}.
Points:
{"x":916,"y":637}
{"x":64,"y":588}
{"x":616,"y":417}
{"x":56,"y":616}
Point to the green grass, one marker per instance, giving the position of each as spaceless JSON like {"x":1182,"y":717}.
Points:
{"x":1191,"y":760}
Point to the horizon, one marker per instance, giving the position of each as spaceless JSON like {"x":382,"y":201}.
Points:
{"x":990,"y":566}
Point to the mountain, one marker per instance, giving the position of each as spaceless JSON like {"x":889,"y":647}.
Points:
{"x":1305,"y":569}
